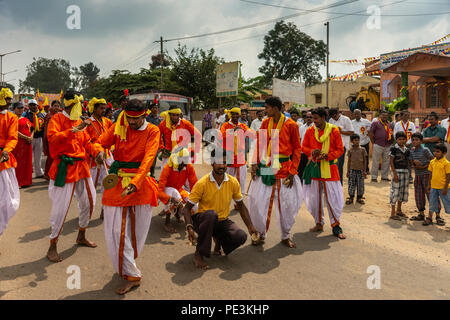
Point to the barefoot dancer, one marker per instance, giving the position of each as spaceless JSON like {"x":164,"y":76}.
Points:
{"x":213,"y":194}
{"x":70,"y":146}
{"x":323,"y":145}
{"x":9,"y":187}
{"x":100,"y":124}
{"x":173,"y":177}
{"x":128,"y":206}
{"x":275,"y":180}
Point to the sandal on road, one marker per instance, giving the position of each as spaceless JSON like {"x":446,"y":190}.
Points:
{"x":395,"y":218}
{"x":349,"y":201}
{"x":427,"y":221}
{"x":360,"y":201}
{"x":440,"y":221}
{"x":402,"y":215}
{"x":419,"y":217}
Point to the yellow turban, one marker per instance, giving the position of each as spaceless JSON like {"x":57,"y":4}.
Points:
{"x":93,"y":102}
{"x":77,"y":110}
{"x":4,"y":94}
{"x":166,"y":116}
{"x":234,"y":110}
{"x":176,"y":158}
{"x":121,"y":124}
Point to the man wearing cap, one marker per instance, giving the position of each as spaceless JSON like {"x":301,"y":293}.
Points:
{"x":173,"y":177}
{"x":37,"y":119}
{"x":9,"y":188}
{"x":176,"y":133}
{"x":69,"y":174}
{"x":23,"y":151}
{"x":232,"y":139}
{"x":128,"y":205}
{"x":100,"y":125}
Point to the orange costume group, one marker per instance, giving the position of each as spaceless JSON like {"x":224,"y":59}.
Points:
{"x":9,"y":188}
{"x":277,"y":143}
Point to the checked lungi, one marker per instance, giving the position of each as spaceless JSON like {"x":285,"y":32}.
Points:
{"x":399,"y":190}
{"x":356,"y":182}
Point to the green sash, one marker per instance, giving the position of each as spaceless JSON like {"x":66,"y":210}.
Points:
{"x":312,"y":170}
{"x":61,"y":174}
{"x":268,"y":179}
{"x":116,"y":165}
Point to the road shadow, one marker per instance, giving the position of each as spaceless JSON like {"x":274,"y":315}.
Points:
{"x":438,"y":233}
{"x":157,"y":234}
{"x":106,"y":293}
{"x":36,"y":186}
{"x":37,"y":267}
{"x":254,"y":259}
{"x":69,"y":227}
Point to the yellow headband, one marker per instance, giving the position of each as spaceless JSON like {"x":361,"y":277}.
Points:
{"x":77,"y":110}
{"x":174,"y":160}
{"x":233,"y":110}
{"x":4,"y":94}
{"x":175,"y":111}
{"x":93,"y":102}
{"x":122,"y":123}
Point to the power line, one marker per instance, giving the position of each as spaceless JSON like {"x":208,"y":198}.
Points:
{"x":336,"y":4}
{"x":352,"y":14}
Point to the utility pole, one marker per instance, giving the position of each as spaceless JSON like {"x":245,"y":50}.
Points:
{"x":1,"y":64}
{"x":162,"y":61}
{"x":327,"y":24}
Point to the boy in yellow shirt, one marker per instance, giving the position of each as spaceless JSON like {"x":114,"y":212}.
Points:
{"x":440,"y":179}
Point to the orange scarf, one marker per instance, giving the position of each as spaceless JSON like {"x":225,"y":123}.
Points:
{"x":386,"y":127}
{"x":36,"y":124}
{"x":408,"y":134}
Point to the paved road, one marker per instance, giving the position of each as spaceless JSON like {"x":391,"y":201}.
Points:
{"x":412,"y":259}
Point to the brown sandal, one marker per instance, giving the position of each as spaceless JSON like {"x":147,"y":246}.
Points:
{"x":360,"y":201}
{"x":427,"y":221}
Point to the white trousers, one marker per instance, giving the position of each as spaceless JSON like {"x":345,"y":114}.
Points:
{"x":37,"y":147}
{"x":242,"y":177}
{"x":98,"y":174}
{"x":173,"y":193}
{"x":9,"y":197}
{"x":61,"y":197}
{"x":319,"y":193}
{"x":126,"y":230}
{"x":286,"y":201}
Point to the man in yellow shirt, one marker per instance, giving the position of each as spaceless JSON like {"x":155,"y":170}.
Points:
{"x":213,"y":194}
{"x":439,"y":181}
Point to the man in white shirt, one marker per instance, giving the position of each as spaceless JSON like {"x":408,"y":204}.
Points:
{"x":406,"y":126}
{"x":445,"y":124}
{"x":256,"y":124}
{"x":362,"y":127}
{"x":221,"y":119}
{"x":302,"y":129}
{"x":346,"y":128}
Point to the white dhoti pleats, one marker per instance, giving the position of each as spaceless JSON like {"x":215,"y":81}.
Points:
{"x":173,"y":193}
{"x":126,"y":230}
{"x":37,"y":147}
{"x":61,"y":197}
{"x":9,"y":197}
{"x":98,"y":174}
{"x":240,"y":173}
{"x":319,"y":193}
{"x":263,"y":199}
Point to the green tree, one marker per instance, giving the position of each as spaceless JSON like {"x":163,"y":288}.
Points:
{"x":47,"y":75}
{"x":291,"y":53}
{"x":195,"y":73}
{"x":156,"y":61}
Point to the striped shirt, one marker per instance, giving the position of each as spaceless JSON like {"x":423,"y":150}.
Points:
{"x":422,"y":154}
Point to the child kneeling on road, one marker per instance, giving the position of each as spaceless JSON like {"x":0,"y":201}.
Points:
{"x":440,"y":178}
{"x":356,"y":170}
{"x":400,"y":182}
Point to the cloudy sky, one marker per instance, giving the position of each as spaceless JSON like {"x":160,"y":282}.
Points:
{"x":118,"y":34}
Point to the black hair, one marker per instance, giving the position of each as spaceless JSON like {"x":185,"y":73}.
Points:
{"x":258,"y":111}
{"x":441,"y":147}
{"x":244,"y":110}
{"x":354,"y":136}
{"x":433,"y":114}
{"x":417,"y":135}
{"x":383,"y":111}
{"x":274,"y":102}
{"x":403,"y":112}
{"x":397,"y":115}
{"x":333,"y":112}
{"x":321,"y":112}
{"x":55,"y":101}
{"x":400,"y":134}
{"x":213,"y":154}
{"x":69,"y":95}
{"x":294,"y":111}
{"x":135,"y":105}
{"x":122,"y":98}
{"x":17,"y":105}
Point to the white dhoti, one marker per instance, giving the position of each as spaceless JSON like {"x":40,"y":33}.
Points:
{"x":9,"y":197}
{"x":98,"y":173}
{"x":37,"y":146}
{"x":262,"y":199}
{"x":240,"y":173}
{"x":61,"y":197}
{"x":320,"y":192}
{"x":173,"y":193}
{"x":126,"y":230}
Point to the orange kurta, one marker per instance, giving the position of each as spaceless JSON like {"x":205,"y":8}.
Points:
{"x":176,"y":179}
{"x":140,"y":146}
{"x":239,"y":154}
{"x":62,"y":141}
{"x":99,"y":127}
{"x":9,"y":132}
{"x":336,"y":149}
{"x":289,"y":145}
{"x":166,"y":135}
